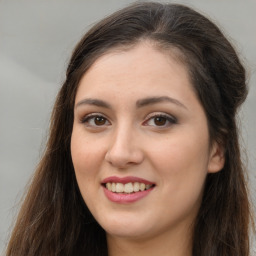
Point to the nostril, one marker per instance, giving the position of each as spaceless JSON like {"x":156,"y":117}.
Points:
{"x":122,"y":160}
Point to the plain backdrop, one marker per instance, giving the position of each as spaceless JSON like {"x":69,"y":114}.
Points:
{"x":36,"y":41}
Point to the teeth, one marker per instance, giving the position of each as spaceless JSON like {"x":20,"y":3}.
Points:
{"x":113,"y":187}
{"x":147,"y":186}
{"x":142,"y":186}
{"x":136,"y":187}
{"x":128,"y":187}
{"x":109,"y":186}
{"x":119,"y":187}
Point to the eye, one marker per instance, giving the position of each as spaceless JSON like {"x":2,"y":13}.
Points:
{"x":160,"y":120}
{"x":95,"y":120}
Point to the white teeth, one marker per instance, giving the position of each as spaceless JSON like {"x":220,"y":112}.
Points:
{"x":142,"y":186}
{"x":136,"y":187}
{"x":113,"y":187}
{"x":119,"y":187}
{"x":128,"y":187}
{"x":109,"y":186}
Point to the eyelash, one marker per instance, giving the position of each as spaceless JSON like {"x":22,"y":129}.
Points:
{"x":89,"y":117}
{"x":167,"y":118}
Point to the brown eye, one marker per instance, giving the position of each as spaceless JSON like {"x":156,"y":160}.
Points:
{"x":95,"y":120}
{"x":99,"y":120}
{"x":160,"y":121}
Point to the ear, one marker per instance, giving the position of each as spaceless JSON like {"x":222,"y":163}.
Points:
{"x":216,"y":158}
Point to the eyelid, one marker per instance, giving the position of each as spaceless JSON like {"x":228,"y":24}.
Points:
{"x":89,"y":116}
{"x":170,"y":118}
{"x":163,"y":114}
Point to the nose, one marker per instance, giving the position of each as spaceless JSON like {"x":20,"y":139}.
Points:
{"x":124,"y":149}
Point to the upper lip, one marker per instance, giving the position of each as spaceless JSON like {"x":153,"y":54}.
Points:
{"x":125,"y":180}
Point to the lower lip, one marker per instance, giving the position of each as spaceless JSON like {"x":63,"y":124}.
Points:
{"x":123,"y":198}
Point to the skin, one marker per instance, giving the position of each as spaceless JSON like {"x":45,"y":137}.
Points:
{"x":129,"y":141}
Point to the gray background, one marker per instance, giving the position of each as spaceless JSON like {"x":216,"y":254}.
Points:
{"x":36,"y":40}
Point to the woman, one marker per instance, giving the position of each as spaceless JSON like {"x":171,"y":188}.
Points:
{"x":143,"y":155}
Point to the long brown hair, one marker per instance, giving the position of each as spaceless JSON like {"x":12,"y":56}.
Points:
{"x":54,"y":219}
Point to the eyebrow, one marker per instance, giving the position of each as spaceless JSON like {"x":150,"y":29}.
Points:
{"x":95,"y":102}
{"x":140,"y":103}
{"x":155,"y":100}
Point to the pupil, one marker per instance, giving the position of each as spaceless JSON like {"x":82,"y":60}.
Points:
{"x":160,"y":121}
{"x":100,"y":120}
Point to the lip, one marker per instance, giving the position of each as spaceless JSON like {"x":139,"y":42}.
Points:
{"x":123,"y":198}
{"x":125,"y":180}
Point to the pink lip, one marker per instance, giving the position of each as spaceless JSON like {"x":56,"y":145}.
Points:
{"x":127,"y":179}
{"x":124,"y":198}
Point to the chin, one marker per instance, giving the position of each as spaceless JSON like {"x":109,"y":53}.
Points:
{"x":125,"y":228}
{"x":131,"y":233}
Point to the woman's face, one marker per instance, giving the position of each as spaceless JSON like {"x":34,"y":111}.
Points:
{"x":140,"y":143}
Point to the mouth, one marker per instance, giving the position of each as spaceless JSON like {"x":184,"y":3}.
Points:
{"x":127,"y":188}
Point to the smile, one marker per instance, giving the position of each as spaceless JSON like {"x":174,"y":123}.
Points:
{"x":127,"y":189}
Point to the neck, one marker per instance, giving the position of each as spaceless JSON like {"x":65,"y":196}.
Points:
{"x":176,"y":244}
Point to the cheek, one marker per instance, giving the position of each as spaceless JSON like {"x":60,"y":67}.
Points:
{"x":86,"y":156}
{"x":181,"y":162}
{"x":181,"y":153}
{"x":183,"y":169}
{"x":84,"y":150}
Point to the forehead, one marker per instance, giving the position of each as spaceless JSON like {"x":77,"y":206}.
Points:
{"x":140,"y":65}
{"x":150,"y":48}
